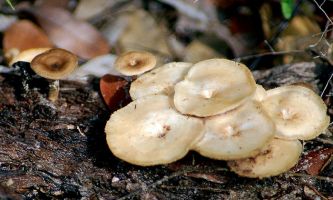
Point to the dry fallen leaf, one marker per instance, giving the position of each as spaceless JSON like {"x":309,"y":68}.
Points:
{"x":23,"y":35}
{"x":69,"y":33}
{"x":314,"y":161}
{"x":113,"y":91}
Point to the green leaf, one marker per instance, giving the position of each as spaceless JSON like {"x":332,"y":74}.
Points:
{"x":10,"y":4}
{"x":287,"y":7}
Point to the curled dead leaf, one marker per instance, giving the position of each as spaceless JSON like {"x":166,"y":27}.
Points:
{"x":69,"y":33}
{"x":113,"y":91}
{"x":314,"y":161}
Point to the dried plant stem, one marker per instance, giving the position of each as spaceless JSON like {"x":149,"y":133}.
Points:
{"x":274,"y":53}
{"x":322,"y":178}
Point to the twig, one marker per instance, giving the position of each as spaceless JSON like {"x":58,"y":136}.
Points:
{"x":319,"y":6}
{"x":322,"y":178}
{"x":274,"y":53}
{"x":194,"y":188}
{"x":322,"y":93}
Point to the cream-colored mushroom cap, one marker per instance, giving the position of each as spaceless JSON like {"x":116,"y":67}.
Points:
{"x":135,"y":63}
{"x":298,"y":112}
{"x":214,"y":86}
{"x":54,"y":64}
{"x":28,"y":55}
{"x":275,"y":158}
{"x":239,"y":133}
{"x":149,"y":131}
{"x":160,"y":80}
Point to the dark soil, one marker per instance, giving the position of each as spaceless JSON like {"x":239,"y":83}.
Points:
{"x":58,"y":151}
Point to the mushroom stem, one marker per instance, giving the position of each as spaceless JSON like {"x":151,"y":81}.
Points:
{"x":53,"y":90}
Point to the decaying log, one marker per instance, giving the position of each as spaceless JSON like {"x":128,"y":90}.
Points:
{"x":59,"y":151}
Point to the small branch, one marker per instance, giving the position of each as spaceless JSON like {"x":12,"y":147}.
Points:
{"x":269,"y":54}
{"x":319,"y":6}
{"x":218,"y":190}
{"x":322,"y":178}
{"x":329,"y":80}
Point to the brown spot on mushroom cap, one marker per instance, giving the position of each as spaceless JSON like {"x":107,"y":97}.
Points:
{"x":276,"y":157}
{"x":54,"y":64}
{"x":135,"y":63}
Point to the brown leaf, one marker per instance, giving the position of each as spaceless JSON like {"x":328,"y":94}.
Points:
{"x":314,"y":161}
{"x":24,"y":35}
{"x":69,"y":33}
{"x":113,"y":90}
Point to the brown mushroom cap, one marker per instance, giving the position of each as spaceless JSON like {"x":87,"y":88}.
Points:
{"x":54,"y":64}
{"x":135,"y":63}
{"x":148,"y":131}
{"x":214,"y":86}
{"x":239,"y":133}
{"x":298,"y":112}
{"x":27,"y":55}
{"x":276,"y":157}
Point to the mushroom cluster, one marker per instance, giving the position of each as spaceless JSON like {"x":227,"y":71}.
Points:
{"x":214,"y":107}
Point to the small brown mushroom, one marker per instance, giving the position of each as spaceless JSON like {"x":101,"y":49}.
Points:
{"x":54,"y":64}
{"x":135,"y":63}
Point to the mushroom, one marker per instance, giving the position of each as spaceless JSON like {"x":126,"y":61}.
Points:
{"x":148,"y":131}
{"x":298,"y":112}
{"x":54,"y":65}
{"x":277,"y":157}
{"x":160,"y":80}
{"x":135,"y":63}
{"x":239,"y":133}
{"x":27,"y":55}
{"x":214,"y":86}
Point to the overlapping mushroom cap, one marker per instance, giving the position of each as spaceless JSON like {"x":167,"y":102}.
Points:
{"x":297,"y":112}
{"x":149,"y":131}
{"x":27,"y":55}
{"x":214,"y":86}
{"x":276,"y":157}
{"x":236,"y":134}
{"x":160,"y":80}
